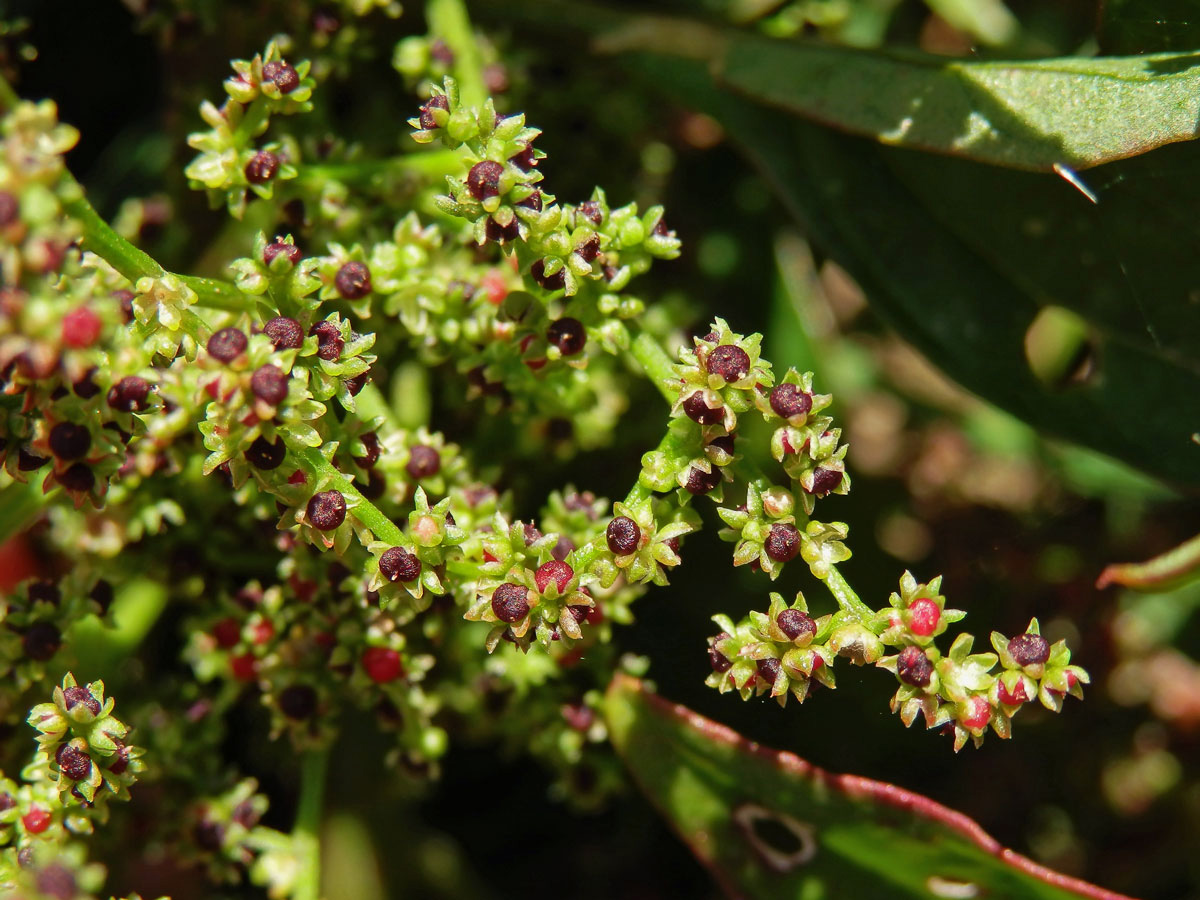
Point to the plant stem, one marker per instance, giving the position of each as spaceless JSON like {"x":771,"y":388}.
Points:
{"x":846,"y":597}
{"x":306,"y":832}
{"x":431,"y":164}
{"x":658,"y":366}
{"x":448,"y":20}
{"x":20,"y":505}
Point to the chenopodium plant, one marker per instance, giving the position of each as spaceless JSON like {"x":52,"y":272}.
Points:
{"x":161,"y":404}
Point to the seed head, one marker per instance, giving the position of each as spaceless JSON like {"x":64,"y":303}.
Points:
{"x":353,"y":281}
{"x":913,"y":667}
{"x":729,"y":361}
{"x":74,"y":762}
{"x":438,"y":101}
{"x":423,"y":462}
{"x":326,"y":510}
{"x":79,"y":478}
{"x":555,"y":282}
{"x":264,"y":455}
{"x":701,"y":482}
{"x":81,"y":327}
{"x":568,"y":335}
{"x":1029,"y":649}
{"x":262,"y":167}
{"x":269,"y":384}
{"x":718,"y":660}
{"x":825,"y":480}
{"x":788,"y":400}
{"x":227,"y":344}
{"x":623,"y":535}
{"x":69,"y":441}
{"x":795,"y":623}
{"x":924,"y":616}
{"x":397,"y":564}
{"x":555,"y":572}
{"x":783,"y":542}
{"x":41,"y":641}
{"x":9,"y":209}
{"x":768,"y":669}
{"x":698,"y":411}
{"x":74,"y":696}
{"x":329,"y":340}
{"x":285,"y":333}
{"x":510,"y":602}
{"x":483,"y":181}
{"x":281,"y":75}
{"x":129,"y":394}
{"x":291,"y":251}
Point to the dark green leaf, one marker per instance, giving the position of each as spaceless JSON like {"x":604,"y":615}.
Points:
{"x":769,"y":825}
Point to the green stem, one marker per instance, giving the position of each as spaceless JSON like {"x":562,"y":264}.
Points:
{"x":433,"y":164}
{"x":448,"y":20}
{"x":308,"y":823}
{"x":133,"y":263}
{"x":658,"y":366}
{"x":8,"y":97}
{"x":364,"y":510}
{"x":846,"y":597}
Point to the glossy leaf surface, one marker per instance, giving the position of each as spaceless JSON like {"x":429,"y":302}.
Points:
{"x":769,"y":825}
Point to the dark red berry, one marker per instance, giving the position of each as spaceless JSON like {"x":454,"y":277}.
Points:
{"x":796,"y":623}
{"x":244,"y":667}
{"x":510,"y":602}
{"x":568,"y":335}
{"x":483,"y":181}
{"x":590,"y":209}
{"x":75,"y":763}
{"x":698,"y":411}
{"x":329,"y":340}
{"x":914,"y":667}
{"x":783,"y":542}
{"x":353,"y":281}
{"x":526,"y":160}
{"x":129,"y":394}
{"x":264,"y":455}
{"x":623,"y":535}
{"x":125,"y":299}
{"x":556,"y":572}
{"x":9,"y":209}
{"x":1016,"y":698}
{"x":589,"y":249}
{"x":531,"y":533}
{"x":262,"y":167}
{"x":533,"y":201}
{"x":355,"y":385}
{"x":80,"y":328}
{"x":269,"y":384}
{"x":423,"y":462}
{"x":1029,"y":649}
{"x":768,"y":669}
{"x":290,"y":251}
{"x":718,"y":660}
{"x":36,"y":820}
{"x":227,"y":633}
{"x":788,"y":400}
{"x":102,"y":595}
{"x":438,"y":101}
{"x":397,"y":564}
{"x":208,"y":835}
{"x":979,"y":712}
{"x":227,"y":344}
{"x":729,"y":361}
{"x":41,"y":641}
{"x":79,"y":478}
{"x":825,"y":480}
{"x":502,"y":234}
{"x":285,"y":333}
{"x":86,"y":388}
{"x":74,"y":696}
{"x":245,"y":814}
{"x":724,"y":443}
{"x":298,"y":701}
{"x":555,"y":282}
{"x":382,"y":664}
{"x":69,"y":441}
{"x":30,"y":462}
{"x":327,"y":510}
{"x":924,"y":616}
{"x":44,"y":592}
{"x":56,"y":881}
{"x":281,"y":75}
{"x":661,"y":229}
{"x":371,"y":450}
{"x":701,"y":482}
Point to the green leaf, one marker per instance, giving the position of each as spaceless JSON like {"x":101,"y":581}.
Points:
{"x":1178,"y":567}
{"x":1026,"y":114}
{"x":769,"y":825}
